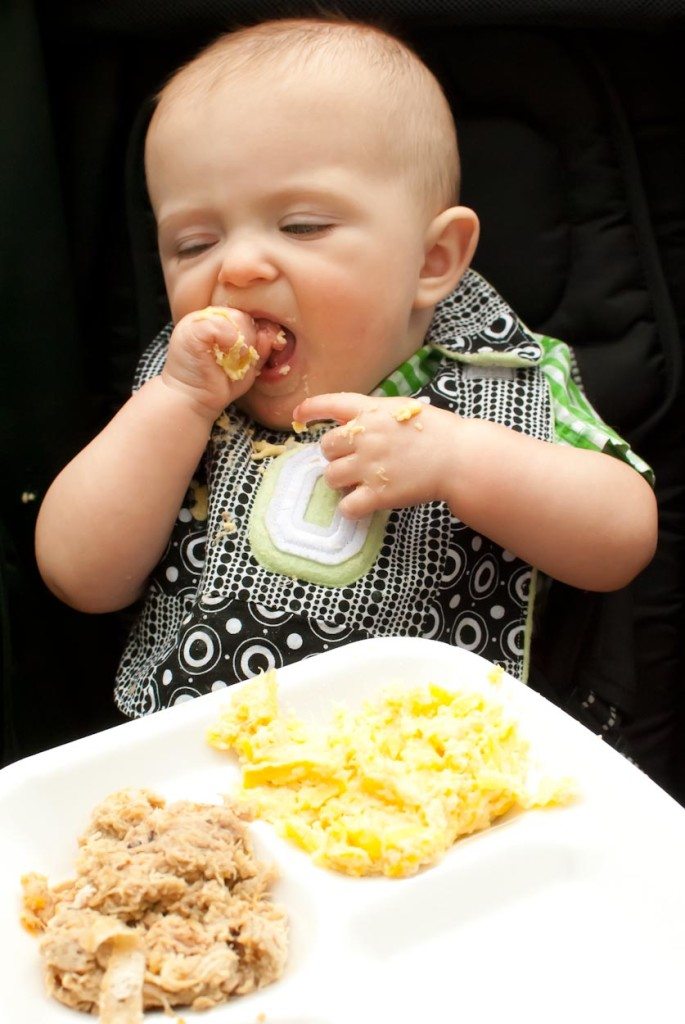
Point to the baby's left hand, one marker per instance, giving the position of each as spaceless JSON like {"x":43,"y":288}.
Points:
{"x":389,"y":452}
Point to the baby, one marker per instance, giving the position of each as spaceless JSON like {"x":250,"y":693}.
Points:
{"x":304,"y":177}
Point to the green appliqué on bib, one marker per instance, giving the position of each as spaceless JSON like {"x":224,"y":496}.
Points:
{"x":296,"y":527}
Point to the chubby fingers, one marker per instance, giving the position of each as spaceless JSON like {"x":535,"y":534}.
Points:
{"x":341,"y":406}
{"x":229,"y":335}
{"x":360,"y":502}
{"x":229,"y":325}
{"x":215,"y":330}
{"x":361,"y":496}
{"x":358,"y":473}
{"x":341,"y":441}
{"x":237,"y":328}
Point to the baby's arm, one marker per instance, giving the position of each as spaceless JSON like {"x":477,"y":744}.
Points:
{"x":106,"y":519}
{"x":582,"y":517}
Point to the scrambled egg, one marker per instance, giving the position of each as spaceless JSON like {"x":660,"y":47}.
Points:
{"x":386,"y":789}
{"x":351,"y":428}
{"x":200,"y":497}
{"x":406,"y":412}
{"x":266,"y":450}
{"x":239,"y":359}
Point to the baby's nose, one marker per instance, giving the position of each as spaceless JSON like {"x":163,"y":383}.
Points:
{"x":244,"y":264}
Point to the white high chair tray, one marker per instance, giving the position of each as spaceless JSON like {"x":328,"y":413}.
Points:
{"x":561,"y":914}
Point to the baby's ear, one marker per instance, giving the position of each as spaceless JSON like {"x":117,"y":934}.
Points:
{"x":450,"y":243}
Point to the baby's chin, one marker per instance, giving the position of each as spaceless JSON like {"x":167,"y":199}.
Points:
{"x":274,"y":413}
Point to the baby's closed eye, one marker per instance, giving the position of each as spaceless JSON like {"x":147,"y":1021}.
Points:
{"x":306,"y":228}
{"x":187,"y":251}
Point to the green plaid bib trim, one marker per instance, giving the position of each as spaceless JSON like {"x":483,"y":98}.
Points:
{"x":411,"y":376}
{"x":575,"y":421}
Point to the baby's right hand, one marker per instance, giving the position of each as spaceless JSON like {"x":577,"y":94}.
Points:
{"x":214,"y":356}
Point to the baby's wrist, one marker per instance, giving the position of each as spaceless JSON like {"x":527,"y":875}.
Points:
{"x":447,"y":455}
{"x":443,"y":459}
{"x":474,"y":450}
{"x":184,"y":402}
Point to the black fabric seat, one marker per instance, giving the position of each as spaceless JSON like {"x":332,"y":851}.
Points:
{"x":571,"y":130}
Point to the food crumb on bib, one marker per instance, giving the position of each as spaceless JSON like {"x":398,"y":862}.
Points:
{"x":266,"y":449}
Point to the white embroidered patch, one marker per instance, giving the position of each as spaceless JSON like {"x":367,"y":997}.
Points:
{"x":289,"y":529}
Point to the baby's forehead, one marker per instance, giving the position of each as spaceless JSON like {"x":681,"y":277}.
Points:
{"x":332,"y":82}
{"x":398,"y":107}
{"x":296,"y":98}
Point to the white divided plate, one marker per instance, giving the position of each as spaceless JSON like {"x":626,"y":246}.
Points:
{"x":574,"y":913}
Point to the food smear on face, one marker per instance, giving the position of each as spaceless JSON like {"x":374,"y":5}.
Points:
{"x":388,"y":788}
{"x":169,"y":907}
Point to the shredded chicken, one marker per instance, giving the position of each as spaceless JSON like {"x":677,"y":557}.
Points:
{"x":181,"y":885}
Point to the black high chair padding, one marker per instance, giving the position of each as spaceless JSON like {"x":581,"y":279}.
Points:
{"x":570,"y":124}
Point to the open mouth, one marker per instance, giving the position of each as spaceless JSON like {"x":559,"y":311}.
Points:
{"x":282,"y":346}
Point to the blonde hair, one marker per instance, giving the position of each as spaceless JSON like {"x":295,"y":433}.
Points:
{"x":418,"y":121}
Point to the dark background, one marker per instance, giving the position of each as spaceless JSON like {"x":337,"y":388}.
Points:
{"x":570,"y":117}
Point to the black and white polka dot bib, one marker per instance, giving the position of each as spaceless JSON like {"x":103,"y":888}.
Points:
{"x":269,"y":573}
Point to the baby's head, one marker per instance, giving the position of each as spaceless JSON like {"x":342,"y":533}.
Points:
{"x":306,"y":171}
